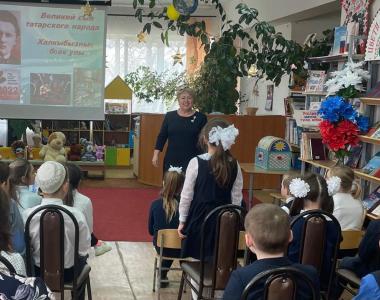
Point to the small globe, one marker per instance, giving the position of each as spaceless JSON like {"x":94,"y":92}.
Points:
{"x":185,"y":7}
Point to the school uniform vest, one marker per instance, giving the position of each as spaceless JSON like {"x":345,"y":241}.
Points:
{"x":207,"y":196}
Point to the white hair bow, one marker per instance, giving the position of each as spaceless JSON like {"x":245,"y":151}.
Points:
{"x":175,"y":169}
{"x":225,"y":136}
{"x":333,"y":185}
{"x":299,"y":188}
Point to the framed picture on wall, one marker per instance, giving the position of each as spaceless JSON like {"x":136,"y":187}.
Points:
{"x":269,"y":101}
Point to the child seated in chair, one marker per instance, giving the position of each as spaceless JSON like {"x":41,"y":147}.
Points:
{"x":312,"y":193}
{"x":286,"y":179}
{"x":52,"y":178}
{"x":267,"y":235}
{"x":164,"y":214}
{"x":75,"y":199}
{"x":368,"y":258}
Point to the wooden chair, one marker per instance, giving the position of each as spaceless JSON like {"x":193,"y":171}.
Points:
{"x":214,"y":274}
{"x":351,"y":239}
{"x":7,"y":264}
{"x":278,"y":284}
{"x":52,"y":253}
{"x":166,"y":238}
{"x":313,"y":241}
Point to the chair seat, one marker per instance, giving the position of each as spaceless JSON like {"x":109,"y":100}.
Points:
{"x":350,"y":276}
{"x":81,"y":278}
{"x":193,"y":269}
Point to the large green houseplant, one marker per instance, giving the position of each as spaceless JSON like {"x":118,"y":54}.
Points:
{"x":216,"y":80}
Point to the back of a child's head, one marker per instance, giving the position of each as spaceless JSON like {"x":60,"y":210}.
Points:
{"x":286,"y":179}
{"x":269,"y":227}
{"x":5,"y":235}
{"x":311,"y":187}
{"x":347,"y":183}
{"x":20,"y":170}
{"x":75,"y":175}
{"x":222,"y":162}
{"x":172,"y":187}
{"x":4,"y":172}
{"x":50,"y":177}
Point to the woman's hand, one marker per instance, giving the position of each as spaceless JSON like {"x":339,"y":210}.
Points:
{"x":180,"y":227}
{"x":155,"y":158}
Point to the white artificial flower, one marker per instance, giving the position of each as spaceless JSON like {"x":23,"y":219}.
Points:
{"x":299,"y":188}
{"x":333,"y":185}
{"x":352,"y":74}
{"x":225,"y":136}
{"x":175,"y":169}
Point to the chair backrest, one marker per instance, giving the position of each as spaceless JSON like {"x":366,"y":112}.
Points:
{"x":52,"y":235}
{"x":168,"y":238}
{"x":279,"y":284}
{"x":314,"y":239}
{"x":351,"y":239}
{"x":7,"y":264}
{"x":229,"y":219}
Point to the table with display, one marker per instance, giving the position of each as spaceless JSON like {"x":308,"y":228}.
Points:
{"x":252,"y":169}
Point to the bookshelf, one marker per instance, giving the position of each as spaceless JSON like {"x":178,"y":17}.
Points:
{"x":369,"y":140}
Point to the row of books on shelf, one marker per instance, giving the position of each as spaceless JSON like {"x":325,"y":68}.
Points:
{"x":372,"y":202}
{"x":293,"y":132}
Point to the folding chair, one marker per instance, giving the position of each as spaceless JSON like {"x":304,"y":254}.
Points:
{"x":52,"y":254}
{"x":351,"y":239}
{"x":215,"y":274}
{"x":278,"y":284}
{"x":166,"y":238}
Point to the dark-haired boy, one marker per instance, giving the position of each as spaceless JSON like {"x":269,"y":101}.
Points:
{"x":267,"y":235}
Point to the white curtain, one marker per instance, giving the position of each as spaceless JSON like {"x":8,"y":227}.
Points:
{"x":125,"y":54}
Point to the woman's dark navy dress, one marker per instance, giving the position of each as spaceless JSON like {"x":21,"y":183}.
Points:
{"x":182,"y":134}
{"x":207,"y":196}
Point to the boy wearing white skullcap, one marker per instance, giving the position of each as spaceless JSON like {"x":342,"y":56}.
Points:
{"x":52,"y":179}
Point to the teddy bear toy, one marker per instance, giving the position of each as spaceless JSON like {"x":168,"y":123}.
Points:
{"x":75,"y":152}
{"x":88,"y":154}
{"x":54,"y":150}
{"x":99,"y":152}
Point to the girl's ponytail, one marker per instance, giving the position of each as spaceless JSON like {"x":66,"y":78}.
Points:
{"x":173,"y":182}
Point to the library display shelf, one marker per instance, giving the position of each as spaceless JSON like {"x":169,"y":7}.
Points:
{"x":327,"y":164}
{"x":369,"y":140}
{"x":336,"y":58}
{"x":370,"y":101}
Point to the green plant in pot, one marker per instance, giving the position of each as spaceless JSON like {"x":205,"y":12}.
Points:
{"x":216,"y":82}
{"x":149,"y":85}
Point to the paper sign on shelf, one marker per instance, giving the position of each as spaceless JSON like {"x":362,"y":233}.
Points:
{"x":307,"y":118}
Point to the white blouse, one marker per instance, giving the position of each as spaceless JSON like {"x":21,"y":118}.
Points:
{"x":348,"y":211}
{"x":188,"y":187}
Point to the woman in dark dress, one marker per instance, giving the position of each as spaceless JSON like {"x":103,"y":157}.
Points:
{"x":212,"y":179}
{"x":181,"y":128}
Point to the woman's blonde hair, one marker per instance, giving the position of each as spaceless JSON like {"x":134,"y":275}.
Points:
{"x":186,"y":90}
{"x":173,"y":182}
{"x":348,"y":184}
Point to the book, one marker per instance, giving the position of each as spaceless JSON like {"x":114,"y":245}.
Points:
{"x":317,"y":149}
{"x":373,"y":165}
{"x":376,"y":209}
{"x":340,"y":38}
{"x":372,"y":199}
{"x":315,"y":81}
{"x":376,"y":134}
{"x":352,"y":160}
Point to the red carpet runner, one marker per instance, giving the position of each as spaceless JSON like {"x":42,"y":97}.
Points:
{"x":121,"y":214}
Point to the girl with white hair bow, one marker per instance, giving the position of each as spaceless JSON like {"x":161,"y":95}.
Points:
{"x":212,"y":179}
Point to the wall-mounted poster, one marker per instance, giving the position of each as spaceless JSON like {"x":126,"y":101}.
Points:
{"x":269,"y":101}
{"x":356,"y":21}
{"x":373,"y":42}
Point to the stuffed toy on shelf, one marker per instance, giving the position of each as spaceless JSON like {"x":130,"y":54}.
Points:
{"x":75,"y":152}
{"x":54,"y":150}
{"x":88,"y":150}
{"x":99,"y":152}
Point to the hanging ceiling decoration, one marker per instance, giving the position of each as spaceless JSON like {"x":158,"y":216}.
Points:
{"x":141,"y":37}
{"x":185,"y":7}
{"x":87,"y":9}
{"x":177,"y":58}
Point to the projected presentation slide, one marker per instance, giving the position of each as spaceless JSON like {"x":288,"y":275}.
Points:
{"x":51,"y":57}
